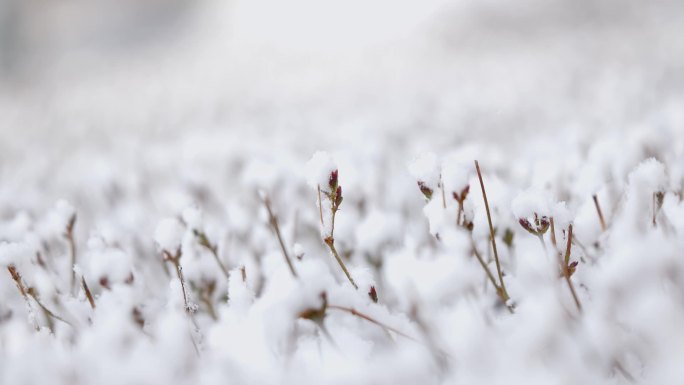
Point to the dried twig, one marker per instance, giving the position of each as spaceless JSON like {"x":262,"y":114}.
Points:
{"x":565,"y":269}
{"x":335,"y":197}
{"x":273,"y":221}
{"x":175,"y":261}
{"x":599,"y":212}
{"x":204,"y":242}
{"x":502,"y":285}
{"x":69,"y":235}
{"x":88,"y":294}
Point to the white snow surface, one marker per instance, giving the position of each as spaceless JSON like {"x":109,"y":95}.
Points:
{"x":157,"y":132}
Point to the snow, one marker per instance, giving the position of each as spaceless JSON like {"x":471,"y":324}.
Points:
{"x":425,"y":168}
{"x":168,"y":234}
{"x":318,"y":170}
{"x":174,"y":145}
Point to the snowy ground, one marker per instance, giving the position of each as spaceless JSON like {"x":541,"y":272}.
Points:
{"x":162,"y":147}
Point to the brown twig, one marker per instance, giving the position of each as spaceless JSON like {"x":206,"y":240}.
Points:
{"x":335,"y":200}
{"x":320,"y":204}
{"x":503,"y":296}
{"x":331,"y":245}
{"x":357,"y":313}
{"x":27,"y":293}
{"x":565,"y":268}
{"x":69,"y":235}
{"x":88,"y":294}
{"x":441,"y":185}
{"x":175,"y":261}
{"x":502,"y":285}
{"x":204,"y":241}
{"x":273,"y":221}
{"x":599,"y":212}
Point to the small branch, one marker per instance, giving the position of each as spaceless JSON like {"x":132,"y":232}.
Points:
{"x":175,"y":260}
{"x":88,"y":294}
{"x":320,"y":204}
{"x":204,"y":241}
{"x":356,"y":313}
{"x":335,"y":197}
{"x":553,"y":233}
{"x":205,"y":297}
{"x":31,"y":292}
{"x":69,"y":235}
{"x":502,"y":285}
{"x":503,"y":296}
{"x":273,"y":221}
{"x":565,"y":268}
{"x":331,"y":245}
{"x":441,"y":185}
{"x":599,"y":212}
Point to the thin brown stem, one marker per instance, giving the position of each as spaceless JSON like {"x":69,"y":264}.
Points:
{"x":599,"y":212}
{"x":330,"y":239}
{"x":320,"y":204}
{"x":69,"y":234}
{"x":460,"y":211}
{"x":175,"y":261}
{"x":213,"y":249}
{"x":273,"y":221}
{"x":357,"y":313}
{"x":486,"y":268}
{"x":553,"y":233}
{"x":331,"y":245}
{"x":565,"y":267}
{"x":441,"y":185}
{"x":48,"y":312}
{"x":27,"y":293}
{"x":502,"y":285}
{"x":88,"y":294}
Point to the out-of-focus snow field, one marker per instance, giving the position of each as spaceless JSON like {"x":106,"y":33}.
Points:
{"x":155,"y":121}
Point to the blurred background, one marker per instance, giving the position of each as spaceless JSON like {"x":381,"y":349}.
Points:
{"x":83,"y":66}
{"x":98,"y":88}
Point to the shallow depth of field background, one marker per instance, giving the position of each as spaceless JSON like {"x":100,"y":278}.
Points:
{"x":105,"y":81}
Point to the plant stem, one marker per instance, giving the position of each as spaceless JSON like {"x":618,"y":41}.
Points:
{"x":88,"y":294}
{"x":213,"y":249}
{"x":276,"y":228}
{"x":320,"y":204}
{"x":502,"y":285}
{"x":566,"y":269}
{"x":69,"y":234}
{"x":441,"y":185}
{"x":26,"y":293}
{"x":175,"y":260}
{"x":599,"y":212}
{"x":357,"y":313}
{"x":503,"y":296}
{"x":330,"y":239}
{"x":331,"y":245}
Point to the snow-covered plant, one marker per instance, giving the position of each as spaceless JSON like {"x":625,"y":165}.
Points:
{"x":323,"y":176}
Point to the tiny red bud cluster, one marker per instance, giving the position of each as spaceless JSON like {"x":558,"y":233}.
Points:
{"x":427,"y":191}
{"x":462,"y":196}
{"x":373,"y":294}
{"x":538,"y":226}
